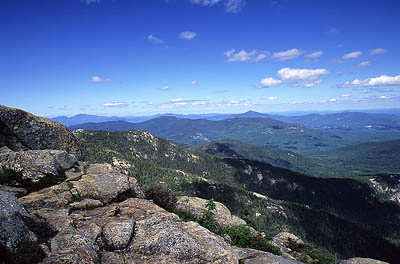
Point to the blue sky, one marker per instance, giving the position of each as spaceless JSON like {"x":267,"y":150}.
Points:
{"x":136,"y":57}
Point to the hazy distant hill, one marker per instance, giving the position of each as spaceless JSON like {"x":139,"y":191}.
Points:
{"x":354,"y":160}
{"x":354,"y":126}
{"x":281,"y":158}
{"x":345,"y":120}
{"x":343,"y":215}
{"x":260,"y":131}
{"x":84,"y":118}
{"x":366,"y":158}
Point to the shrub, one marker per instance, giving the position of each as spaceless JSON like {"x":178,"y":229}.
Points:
{"x":243,"y":237}
{"x":162,"y":196}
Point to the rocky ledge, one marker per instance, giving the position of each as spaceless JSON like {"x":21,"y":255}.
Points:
{"x":20,"y":130}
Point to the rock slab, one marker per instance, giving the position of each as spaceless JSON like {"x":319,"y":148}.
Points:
{"x":20,"y":130}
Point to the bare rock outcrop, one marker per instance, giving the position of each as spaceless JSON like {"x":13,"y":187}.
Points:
{"x":20,"y":130}
{"x":362,"y":261}
{"x":35,"y":165}
{"x":16,"y":240}
{"x":195,"y":205}
{"x":91,"y":186}
{"x":286,"y":241}
{"x":100,"y":225}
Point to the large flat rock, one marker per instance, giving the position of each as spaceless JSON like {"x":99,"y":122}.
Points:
{"x":20,"y":130}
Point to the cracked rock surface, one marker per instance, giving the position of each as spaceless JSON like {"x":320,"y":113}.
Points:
{"x":20,"y":130}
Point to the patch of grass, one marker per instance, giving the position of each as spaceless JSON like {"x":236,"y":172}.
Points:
{"x":76,"y":198}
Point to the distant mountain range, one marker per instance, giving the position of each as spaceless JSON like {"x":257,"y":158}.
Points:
{"x":84,"y":118}
{"x":308,"y":133}
{"x":345,"y":121}
{"x":294,"y":116}
{"x":259,"y":131}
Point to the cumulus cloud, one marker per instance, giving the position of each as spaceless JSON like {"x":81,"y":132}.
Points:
{"x":235,"y":102}
{"x":155,"y":40}
{"x":179,"y":102}
{"x":377,"y":51}
{"x":205,"y":2}
{"x":383,"y":97}
{"x":377,"y":81}
{"x":302,"y":77}
{"x":254,"y":55}
{"x":234,"y":6}
{"x":298,"y":77}
{"x":346,"y":95}
{"x":269,"y":82}
{"x":164,"y":88}
{"x":332,"y":100}
{"x":97,"y":79}
{"x":301,"y":74}
{"x":272,"y":98}
{"x":115,"y":104}
{"x":315,"y":54}
{"x":231,"y":6}
{"x":333,"y":31}
{"x":365,"y":64}
{"x":194,"y":82}
{"x":288,"y":54}
{"x":352,"y":55}
{"x":88,"y":2}
{"x":188,"y":35}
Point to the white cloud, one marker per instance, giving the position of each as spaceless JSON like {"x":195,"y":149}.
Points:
{"x":272,"y":98}
{"x":384,"y":97}
{"x":377,"y":51}
{"x":288,"y":54}
{"x":365,"y":64}
{"x":194,"y":82}
{"x":231,"y":6}
{"x":346,"y":95}
{"x":302,"y":77}
{"x":188,"y":35}
{"x":88,"y":2}
{"x":332,"y":100}
{"x":115,"y":105}
{"x":301,"y":74}
{"x":333,"y":31}
{"x":155,"y":40}
{"x":234,"y":6}
{"x":269,"y":82}
{"x":308,"y":84}
{"x":164,"y":88}
{"x":179,"y":102}
{"x":205,"y":2}
{"x":352,"y":55}
{"x":315,"y":54}
{"x":243,"y":55}
{"x":377,"y":81}
{"x":98,"y":79}
{"x":235,"y":102}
